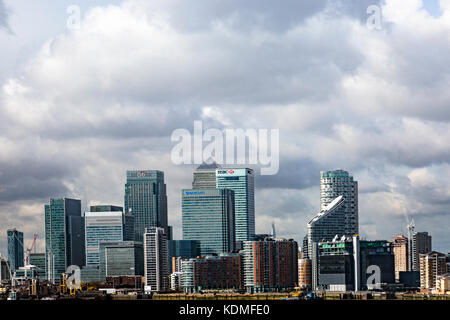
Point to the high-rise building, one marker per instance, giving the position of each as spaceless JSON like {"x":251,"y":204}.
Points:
{"x":156,"y":266}
{"x":38,"y":260}
{"x":15,"y":249}
{"x":340,"y":183}
{"x":304,"y":273}
{"x":270,"y":265}
{"x":122,"y":258}
{"x":146,"y":199}
{"x":182,"y":248}
{"x":328,"y":224}
{"x":105,"y":226}
{"x":208,"y":216}
{"x":431,"y":265}
{"x":212,"y":273}
{"x":4,"y":270}
{"x":241,"y":181}
{"x":205,"y":176}
{"x":421,"y":243}
{"x":64,"y":236}
{"x":400,"y":248}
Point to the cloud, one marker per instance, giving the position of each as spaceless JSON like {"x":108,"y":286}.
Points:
{"x":105,"y":98}
{"x":4,"y":16}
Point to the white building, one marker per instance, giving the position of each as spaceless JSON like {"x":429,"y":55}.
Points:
{"x":155,"y":260}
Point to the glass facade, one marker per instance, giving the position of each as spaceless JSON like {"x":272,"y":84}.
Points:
{"x":125,"y":258}
{"x":103,"y":227}
{"x":15,"y":249}
{"x":241,"y":181}
{"x":208,"y":216}
{"x":64,"y":236}
{"x":340,"y":183}
{"x":146,"y":199}
{"x":182,"y":248}
{"x":38,"y":260}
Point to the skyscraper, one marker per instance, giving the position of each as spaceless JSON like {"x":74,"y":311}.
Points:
{"x":340,"y":183}
{"x":205,"y":176}
{"x":156,"y":266}
{"x":421,"y":243}
{"x":400,"y":248}
{"x":241,"y":181}
{"x":105,"y":226}
{"x":431,"y":265}
{"x":328,"y":224}
{"x":64,"y":236}
{"x":15,"y":249}
{"x":208,"y":216}
{"x":146,"y":199}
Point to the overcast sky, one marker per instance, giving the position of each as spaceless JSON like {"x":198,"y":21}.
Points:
{"x":80,"y":107}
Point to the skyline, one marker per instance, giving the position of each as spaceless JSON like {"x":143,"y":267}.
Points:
{"x":372,"y":102}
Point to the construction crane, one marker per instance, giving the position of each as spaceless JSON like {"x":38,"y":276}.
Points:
{"x":33,"y":245}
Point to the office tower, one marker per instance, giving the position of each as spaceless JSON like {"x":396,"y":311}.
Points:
{"x":38,"y":260}
{"x":421,"y":243}
{"x":156,"y":266}
{"x":305,"y":246}
{"x":400,"y":248}
{"x":105,"y":226}
{"x":270,"y":265}
{"x":347,"y":264}
{"x":213,"y":273}
{"x":431,"y":265}
{"x":4,"y":270}
{"x":105,"y":208}
{"x":208,"y":216}
{"x":205,"y":176}
{"x":241,"y":181}
{"x":121,"y":258}
{"x":304,"y":273}
{"x":328,"y":224}
{"x":340,"y":183}
{"x":64,"y":236}
{"x":15,"y":249}
{"x":146,"y":199}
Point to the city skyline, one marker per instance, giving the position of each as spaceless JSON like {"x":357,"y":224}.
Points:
{"x":372,"y":102}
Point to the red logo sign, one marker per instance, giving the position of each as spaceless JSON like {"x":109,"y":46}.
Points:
{"x":230,"y":171}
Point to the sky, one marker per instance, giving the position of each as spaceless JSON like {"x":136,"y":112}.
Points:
{"x":80,"y":107}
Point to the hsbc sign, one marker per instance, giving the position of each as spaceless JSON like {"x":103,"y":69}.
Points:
{"x":231,"y":172}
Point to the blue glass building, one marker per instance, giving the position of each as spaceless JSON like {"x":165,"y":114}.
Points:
{"x":64,"y":236}
{"x":15,"y":249}
{"x":241,"y":181}
{"x":208,"y":216}
{"x":146,"y":199}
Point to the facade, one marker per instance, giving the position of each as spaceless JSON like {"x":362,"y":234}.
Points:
{"x":156,"y":266}
{"x":146,"y":199}
{"x":124,"y":258}
{"x":401,"y":256}
{"x":15,"y":249}
{"x":421,"y":243}
{"x":223,"y":272}
{"x":4,"y":270}
{"x":443,"y":284}
{"x":209,"y":218}
{"x":340,"y":183}
{"x":175,"y":281}
{"x":105,"y":226}
{"x":205,"y":176}
{"x":353,"y":265}
{"x":182,"y":248}
{"x":270,"y":265}
{"x":328,"y":224}
{"x":304,"y":273}
{"x":241,"y":181}
{"x":64,"y":236}
{"x":38,"y":260}
{"x":432,"y":265}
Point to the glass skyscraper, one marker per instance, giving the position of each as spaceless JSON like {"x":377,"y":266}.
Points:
{"x":208,"y":216}
{"x":340,"y":183}
{"x":205,"y":176}
{"x":64,"y":236}
{"x":15,"y":249}
{"x":105,"y":226}
{"x":146,"y":199}
{"x":241,"y":181}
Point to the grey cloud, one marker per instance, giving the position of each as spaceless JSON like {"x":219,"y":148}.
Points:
{"x":4,"y":16}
